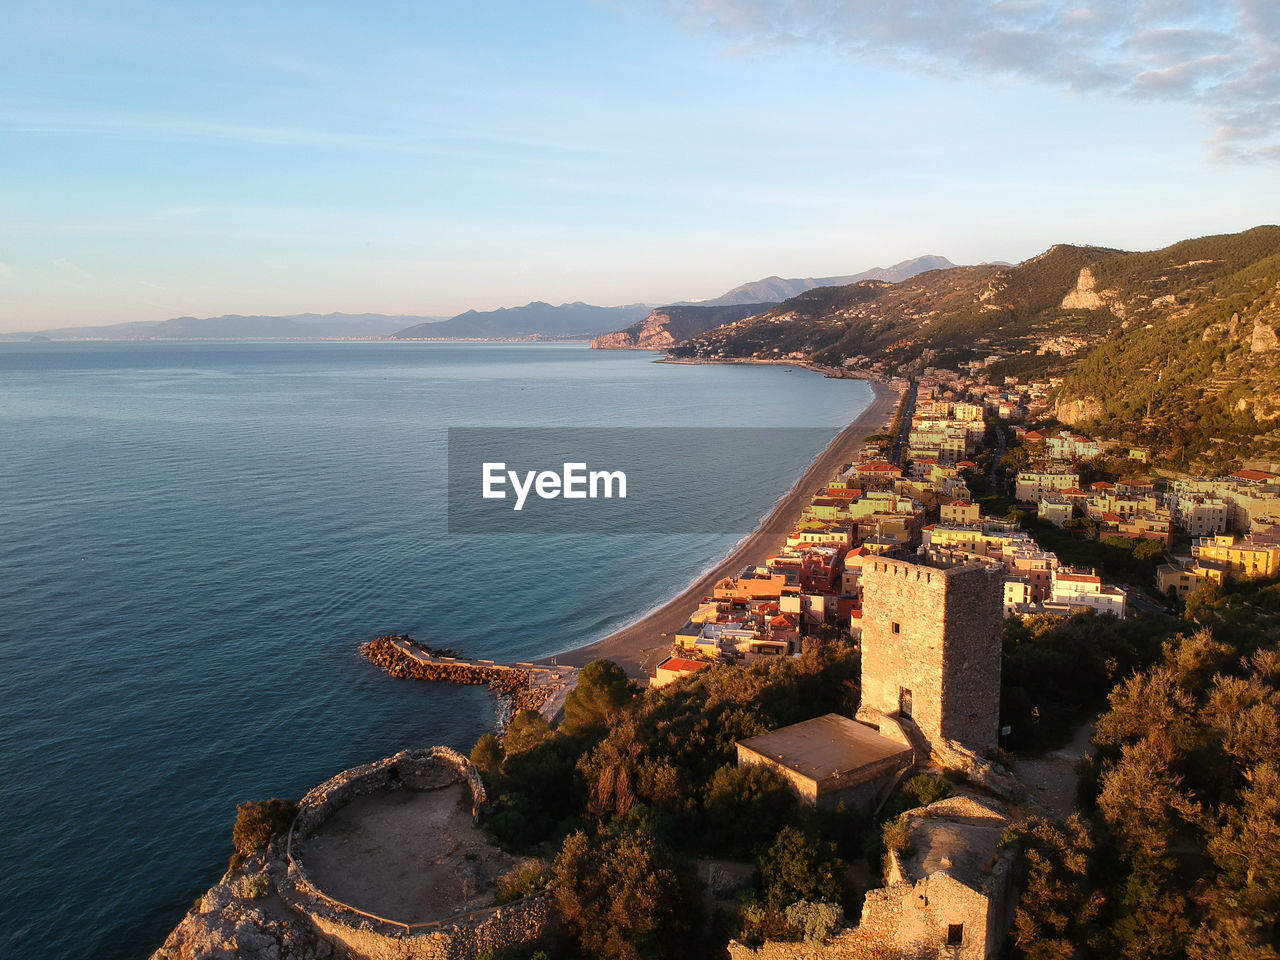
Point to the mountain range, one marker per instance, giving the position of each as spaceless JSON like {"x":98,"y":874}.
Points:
{"x":535,"y":319}
{"x":531,"y":321}
{"x":776,"y":289}
{"x":301,"y":326}
{"x":672,"y":325}
{"x":1175,"y":349}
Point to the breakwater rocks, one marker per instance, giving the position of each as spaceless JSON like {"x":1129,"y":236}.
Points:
{"x":518,"y":687}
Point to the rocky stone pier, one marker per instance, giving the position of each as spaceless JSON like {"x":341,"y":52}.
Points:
{"x":519,"y":686}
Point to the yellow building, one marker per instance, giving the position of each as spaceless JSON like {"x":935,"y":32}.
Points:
{"x":1240,"y":558}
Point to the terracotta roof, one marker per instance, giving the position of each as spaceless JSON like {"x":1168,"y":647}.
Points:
{"x":1254,"y":475}
{"x":679,"y":663}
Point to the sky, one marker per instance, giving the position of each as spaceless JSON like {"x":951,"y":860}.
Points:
{"x":168,"y":159}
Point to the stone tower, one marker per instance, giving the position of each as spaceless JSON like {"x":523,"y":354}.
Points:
{"x":931,"y":643}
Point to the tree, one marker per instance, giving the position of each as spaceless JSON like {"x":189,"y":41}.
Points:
{"x":744,"y":807}
{"x":601,"y":691}
{"x":623,"y":896}
{"x":1059,"y":907}
{"x":526,"y":730}
{"x":486,"y":754}
{"x":798,"y":867}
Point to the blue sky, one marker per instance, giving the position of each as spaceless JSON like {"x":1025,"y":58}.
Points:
{"x":162,"y":159}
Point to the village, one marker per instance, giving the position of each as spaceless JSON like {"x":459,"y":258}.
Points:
{"x":921,"y":495}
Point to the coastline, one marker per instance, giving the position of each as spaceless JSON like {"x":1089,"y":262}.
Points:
{"x":639,"y":646}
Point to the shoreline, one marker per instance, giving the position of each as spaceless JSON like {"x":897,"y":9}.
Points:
{"x":639,"y":646}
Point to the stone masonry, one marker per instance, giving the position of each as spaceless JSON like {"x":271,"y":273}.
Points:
{"x":931,"y":643}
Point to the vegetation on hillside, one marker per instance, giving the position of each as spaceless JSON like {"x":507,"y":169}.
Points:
{"x":1164,"y":351}
{"x":1178,"y":853}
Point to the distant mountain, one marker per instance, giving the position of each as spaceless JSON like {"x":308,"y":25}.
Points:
{"x":535,"y":319}
{"x":776,"y":289}
{"x":235,"y":327}
{"x":669,"y":326}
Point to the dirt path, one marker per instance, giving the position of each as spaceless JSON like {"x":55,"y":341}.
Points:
{"x":640,"y":646}
{"x":1050,"y":779}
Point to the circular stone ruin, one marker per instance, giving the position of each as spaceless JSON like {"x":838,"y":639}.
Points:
{"x":387,"y":859}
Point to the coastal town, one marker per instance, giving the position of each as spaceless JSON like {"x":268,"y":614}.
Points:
{"x":919,"y":492}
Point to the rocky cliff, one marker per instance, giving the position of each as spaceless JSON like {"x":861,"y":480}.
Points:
{"x":670,"y":326}
{"x":243,"y":917}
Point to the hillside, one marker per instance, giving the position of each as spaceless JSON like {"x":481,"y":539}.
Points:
{"x":669,"y":326}
{"x":535,"y":319}
{"x":300,"y":326}
{"x":1173,"y":348}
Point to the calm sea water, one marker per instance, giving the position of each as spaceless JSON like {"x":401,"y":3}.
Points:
{"x":196,"y":538}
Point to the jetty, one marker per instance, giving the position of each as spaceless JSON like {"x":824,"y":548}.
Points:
{"x":518,"y":686}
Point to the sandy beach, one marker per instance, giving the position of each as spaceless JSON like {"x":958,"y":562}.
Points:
{"x":640,"y":646}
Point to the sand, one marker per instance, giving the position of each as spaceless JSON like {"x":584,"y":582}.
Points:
{"x":640,"y":646}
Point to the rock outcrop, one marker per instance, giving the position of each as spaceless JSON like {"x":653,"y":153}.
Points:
{"x":651,"y":333}
{"x":1083,"y":296}
{"x":671,"y":326}
{"x":1264,"y":338}
{"x":1077,"y":410}
{"x":243,"y":917}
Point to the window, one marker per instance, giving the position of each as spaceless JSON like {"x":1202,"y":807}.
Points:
{"x":955,"y":934}
{"x":904,"y":701}
{"x":897,"y":628}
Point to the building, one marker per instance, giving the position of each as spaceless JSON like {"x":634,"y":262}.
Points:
{"x":950,"y":892}
{"x":1182,"y":578}
{"x":1031,"y":485}
{"x":1055,"y":509}
{"x":673,"y":668}
{"x":1074,"y":588}
{"x":831,"y":760}
{"x":960,"y":512}
{"x":1249,"y":557}
{"x":1197,"y":513}
{"x":931,"y":641}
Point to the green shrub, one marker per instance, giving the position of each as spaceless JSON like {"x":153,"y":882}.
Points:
{"x":894,"y":834}
{"x":798,"y":867}
{"x":523,"y":880}
{"x":925,"y":789}
{"x":259,"y":822}
{"x":487,"y":754}
{"x":816,"y":919}
{"x":257,"y":886}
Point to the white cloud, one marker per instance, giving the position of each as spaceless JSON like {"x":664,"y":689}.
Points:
{"x":1219,"y":56}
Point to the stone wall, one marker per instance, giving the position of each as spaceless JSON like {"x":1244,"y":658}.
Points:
{"x":374,"y":938}
{"x":459,"y":938}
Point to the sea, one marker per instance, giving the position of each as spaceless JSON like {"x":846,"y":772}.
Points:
{"x":195,"y":539}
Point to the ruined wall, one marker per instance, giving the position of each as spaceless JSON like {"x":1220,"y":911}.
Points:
{"x":368,"y":937}
{"x":937,"y":633}
{"x":460,"y":938}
